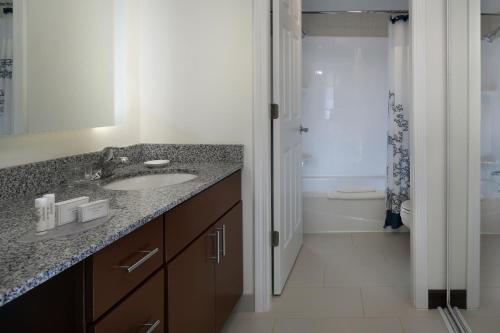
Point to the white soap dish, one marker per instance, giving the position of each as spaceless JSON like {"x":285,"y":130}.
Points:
{"x":156,"y":163}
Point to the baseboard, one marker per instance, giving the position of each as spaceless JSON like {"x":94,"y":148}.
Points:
{"x":437,"y":298}
{"x":245,"y":304}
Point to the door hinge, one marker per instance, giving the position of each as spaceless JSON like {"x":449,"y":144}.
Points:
{"x":275,"y":111}
{"x":275,"y":239}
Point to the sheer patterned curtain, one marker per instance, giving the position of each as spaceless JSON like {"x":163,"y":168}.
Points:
{"x":398,"y":141}
{"x":6,"y":63}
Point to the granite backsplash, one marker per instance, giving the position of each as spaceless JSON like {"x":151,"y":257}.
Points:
{"x":40,"y":177}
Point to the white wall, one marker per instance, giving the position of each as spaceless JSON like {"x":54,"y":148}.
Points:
{"x":436,"y":142}
{"x":344,"y":105}
{"x":490,"y":86}
{"x":458,"y":122}
{"x":346,"y":24}
{"x":20,"y":149}
{"x":490,"y":123}
{"x":343,"y":5}
{"x":490,"y":6}
{"x":196,"y":83}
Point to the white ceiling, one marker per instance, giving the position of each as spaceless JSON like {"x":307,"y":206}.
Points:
{"x":345,"y":5}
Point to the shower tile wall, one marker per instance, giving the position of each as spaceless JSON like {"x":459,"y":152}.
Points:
{"x":490,"y":145}
{"x":345,"y":87}
{"x":490,"y":134}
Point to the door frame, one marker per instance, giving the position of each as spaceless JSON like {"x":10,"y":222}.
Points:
{"x":262,"y":135}
{"x":474,"y":156}
{"x":262,"y":154}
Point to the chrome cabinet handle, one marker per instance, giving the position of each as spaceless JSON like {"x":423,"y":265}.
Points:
{"x":151,"y":327}
{"x":217,"y":246}
{"x":141,"y":261}
{"x":223,"y":230}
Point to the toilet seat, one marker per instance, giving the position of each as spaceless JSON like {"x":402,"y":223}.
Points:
{"x":406,"y":206}
{"x":406,"y":214}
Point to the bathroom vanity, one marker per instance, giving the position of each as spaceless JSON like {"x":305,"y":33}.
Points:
{"x":178,"y":270}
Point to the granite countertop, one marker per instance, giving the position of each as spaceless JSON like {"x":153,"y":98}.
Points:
{"x":23,"y":266}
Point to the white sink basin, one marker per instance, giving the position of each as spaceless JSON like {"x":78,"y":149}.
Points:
{"x":149,"y":181}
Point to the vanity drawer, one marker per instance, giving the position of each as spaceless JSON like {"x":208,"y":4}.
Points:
{"x":190,"y":219}
{"x":143,"y":310}
{"x":117,"y":269}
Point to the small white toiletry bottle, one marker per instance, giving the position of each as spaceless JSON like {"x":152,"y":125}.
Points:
{"x":41,"y":205}
{"x":51,"y":212}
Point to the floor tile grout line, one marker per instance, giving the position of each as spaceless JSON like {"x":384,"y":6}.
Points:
{"x":295,"y":315}
{"x":324,"y":276}
{"x":401,"y":324}
{"x":274,"y":325}
{"x":362,"y":302}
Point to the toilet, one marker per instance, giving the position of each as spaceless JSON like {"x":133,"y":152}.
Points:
{"x":406,"y":214}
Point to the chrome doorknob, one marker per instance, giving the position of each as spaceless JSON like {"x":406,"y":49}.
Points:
{"x":303,"y":129}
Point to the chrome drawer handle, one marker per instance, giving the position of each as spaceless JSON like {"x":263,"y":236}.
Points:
{"x":151,"y":327}
{"x":217,"y":246}
{"x":141,"y":261}
{"x":223,"y":229}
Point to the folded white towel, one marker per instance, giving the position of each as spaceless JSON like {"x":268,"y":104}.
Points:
{"x":356,"y":189}
{"x":356,"y":196}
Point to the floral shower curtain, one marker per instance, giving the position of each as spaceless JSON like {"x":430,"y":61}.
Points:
{"x":6,"y":62}
{"x":398,"y":143}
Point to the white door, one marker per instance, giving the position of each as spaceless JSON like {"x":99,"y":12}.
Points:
{"x":287,"y":142}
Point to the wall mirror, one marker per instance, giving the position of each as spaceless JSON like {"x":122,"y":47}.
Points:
{"x":59,"y":65}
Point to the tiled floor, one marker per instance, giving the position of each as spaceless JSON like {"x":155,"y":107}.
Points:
{"x":345,"y":283}
{"x":487,"y":318}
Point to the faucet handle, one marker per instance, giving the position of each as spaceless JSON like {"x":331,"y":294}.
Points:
{"x":108,"y":154}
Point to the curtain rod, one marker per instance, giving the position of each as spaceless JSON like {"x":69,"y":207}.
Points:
{"x":372,"y":12}
{"x":357,"y":12}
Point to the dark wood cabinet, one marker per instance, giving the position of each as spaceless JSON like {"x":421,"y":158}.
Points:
{"x":190,"y":219}
{"x":206,"y":280}
{"x":56,"y":306}
{"x":114,"y":271}
{"x":143,"y":310}
{"x":181,"y":273}
{"x":229,"y":272}
{"x":191,"y":281}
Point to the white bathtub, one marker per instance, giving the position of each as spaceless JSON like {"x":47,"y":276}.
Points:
{"x":490,"y":207}
{"x":354,"y":214}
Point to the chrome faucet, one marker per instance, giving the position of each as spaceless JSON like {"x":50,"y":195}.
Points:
{"x":108,"y":162}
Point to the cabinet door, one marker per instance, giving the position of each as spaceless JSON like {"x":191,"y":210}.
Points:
{"x":229,"y":272}
{"x":120,"y":267}
{"x":142,"y":311}
{"x":56,"y":306}
{"x":191,"y":287}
